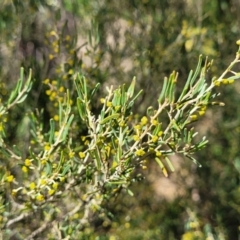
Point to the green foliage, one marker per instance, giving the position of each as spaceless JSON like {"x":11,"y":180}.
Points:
{"x":73,"y":154}
{"x":87,"y":174}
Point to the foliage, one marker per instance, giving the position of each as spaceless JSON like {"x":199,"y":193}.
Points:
{"x":93,"y":171}
{"x":64,"y":166}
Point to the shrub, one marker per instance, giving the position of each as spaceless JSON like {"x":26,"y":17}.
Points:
{"x":61,"y":185}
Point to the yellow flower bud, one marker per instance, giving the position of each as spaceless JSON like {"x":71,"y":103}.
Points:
{"x":50,"y":56}
{"x":160,"y":133}
{"x":28,"y":162}
{"x":71,"y":154}
{"x":225,"y":81}
{"x":67,"y":38}
{"x":193,"y":117}
{"x":42,"y":182}
{"x":51,"y":192}
{"x":48,"y":92}
{"x":24,"y":169}
{"x":53,"y":33}
{"x":136,"y":138}
{"x":47,"y":147}
{"x":40,"y":197}
{"x":201,"y":113}
{"x":109,"y":104}
{"x":32,"y":185}
{"x":158,"y":153}
{"x":102,"y":100}
{"x":56,"y":118}
{"x":144,"y":120}
{"x":46,"y":81}
{"x":61,"y":89}
{"x":154,"y":122}
{"x":81,"y":154}
{"x":55,"y":185}
{"x":10,"y":178}
{"x":137,"y":127}
{"x":154,"y":139}
{"x":70,"y":72}
{"x":140,"y":152}
{"x":217,"y":83}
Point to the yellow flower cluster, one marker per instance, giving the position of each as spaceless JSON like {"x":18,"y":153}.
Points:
{"x":44,"y":186}
{"x":224,"y":81}
{"x":198,"y":114}
{"x":144,"y":121}
{"x":10,"y":178}
{"x":53,"y":189}
{"x":140,"y":152}
{"x":27,"y":165}
{"x":64,"y":69}
{"x":55,"y":92}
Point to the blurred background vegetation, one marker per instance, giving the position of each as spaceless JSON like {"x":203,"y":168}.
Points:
{"x":110,"y":42}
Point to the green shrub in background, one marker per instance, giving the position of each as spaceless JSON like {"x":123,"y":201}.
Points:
{"x":62,"y":187}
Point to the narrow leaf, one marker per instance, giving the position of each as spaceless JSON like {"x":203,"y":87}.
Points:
{"x":169,"y":164}
{"x":162,"y":167}
{"x":162,"y":94}
{"x":107,"y":119}
{"x":131,"y":88}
